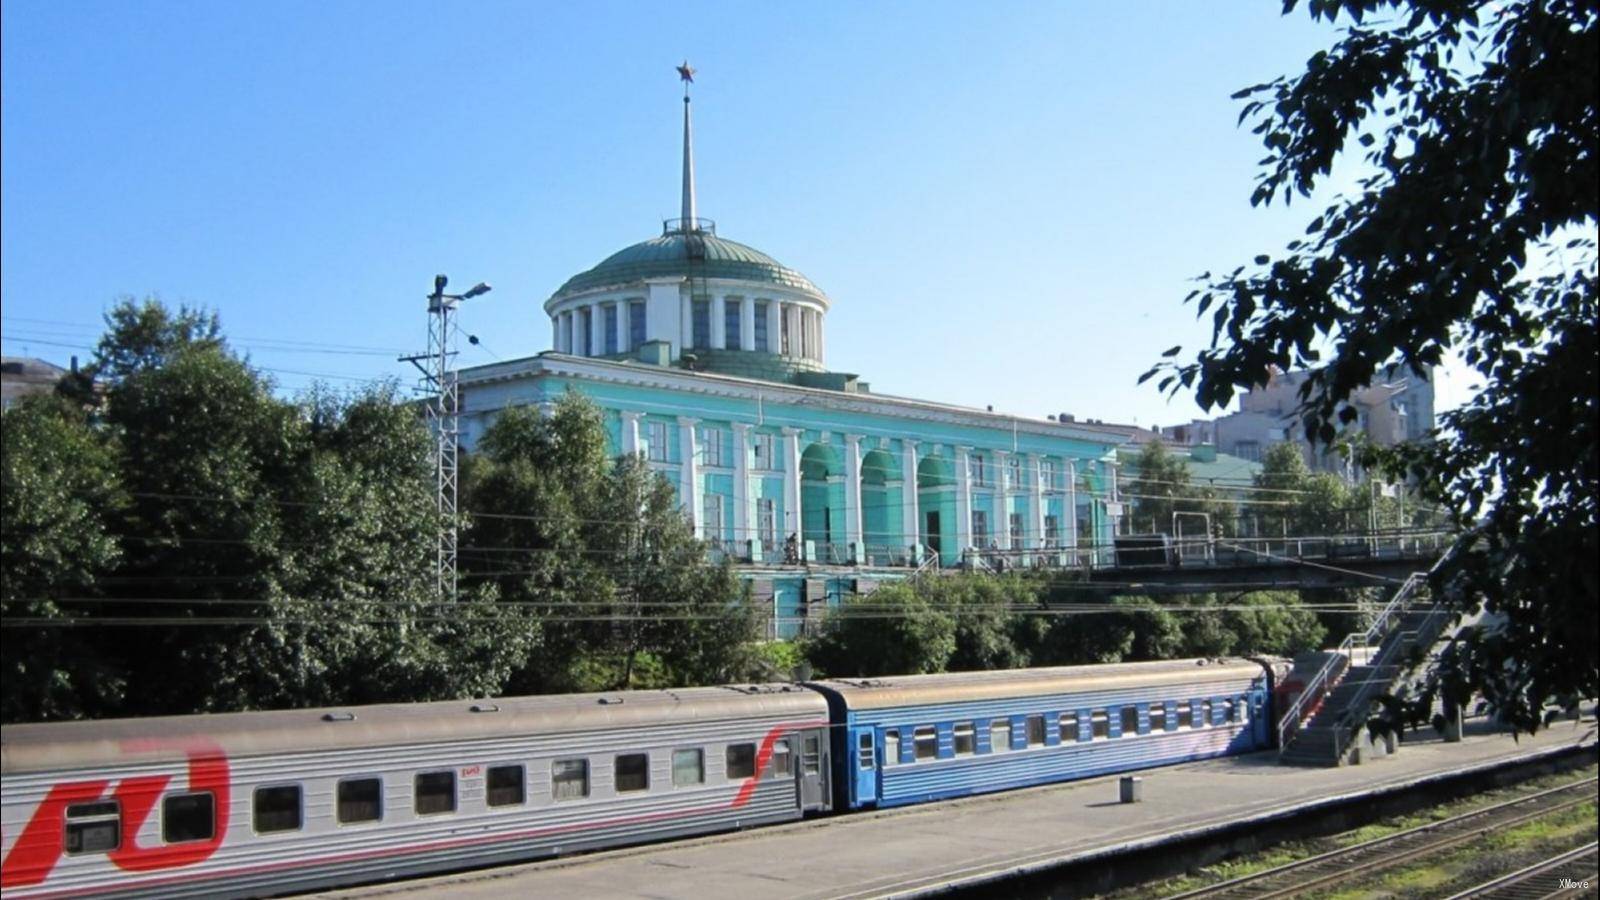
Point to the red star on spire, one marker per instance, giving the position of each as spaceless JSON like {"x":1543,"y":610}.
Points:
{"x":686,"y":72}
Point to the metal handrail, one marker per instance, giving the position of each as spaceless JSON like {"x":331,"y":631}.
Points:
{"x":1290,"y":721}
{"x":930,"y":559}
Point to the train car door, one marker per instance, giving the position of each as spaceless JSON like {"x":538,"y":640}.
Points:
{"x":813,"y":771}
{"x":864,"y":767}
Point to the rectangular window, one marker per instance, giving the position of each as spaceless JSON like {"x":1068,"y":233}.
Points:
{"x":999,"y":735}
{"x":1205,"y":713}
{"x":966,"y":739}
{"x":1068,"y":727}
{"x":702,"y":323}
{"x":277,"y":809}
{"x":1036,"y":731}
{"x":783,"y":325}
{"x":741,"y":760}
{"x":980,"y":528}
{"x":1241,"y":710}
{"x":891,"y":747}
{"x":93,"y":827}
{"x":732,"y":327}
{"x":1016,"y":471}
{"x":1185,"y":714}
{"x":1227,"y":711}
{"x":866,"y":755}
{"x":766,"y":447}
{"x":635,"y":324}
{"x":1158,"y":717}
{"x":633,"y":772}
{"x":1016,"y":529}
{"x":767,"y":526}
{"x":188,"y":817}
{"x":688,"y":767}
{"x":782,"y":759}
{"x":1130,"y":721}
{"x":712,"y":523}
{"x":505,"y":786}
{"x":611,"y":328}
{"x":926,"y":742}
{"x":360,"y":800}
{"x":1099,"y":725}
{"x":657,"y":450}
{"x":761,"y":327}
{"x":711,"y":446}
{"x":435,"y":793}
{"x":569,"y":779}
{"x":975,"y":470}
{"x":1052,"y":530}
{"x":1047,"y":474}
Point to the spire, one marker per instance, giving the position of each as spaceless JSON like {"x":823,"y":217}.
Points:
{"x":689,"y":224}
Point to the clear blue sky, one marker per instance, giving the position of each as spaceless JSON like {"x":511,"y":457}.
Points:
{"x":1005,"y":201}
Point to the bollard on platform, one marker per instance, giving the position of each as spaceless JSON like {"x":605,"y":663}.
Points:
{"x":1132,"y":789}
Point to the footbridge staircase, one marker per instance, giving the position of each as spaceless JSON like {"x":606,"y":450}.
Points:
{"x":1324,"y":724}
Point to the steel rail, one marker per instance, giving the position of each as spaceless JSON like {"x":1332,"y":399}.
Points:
{"x":1402,"y":846}
{"x":1574,"y":870}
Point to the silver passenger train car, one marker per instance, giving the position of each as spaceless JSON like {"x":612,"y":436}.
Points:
{"x":270,"y":802}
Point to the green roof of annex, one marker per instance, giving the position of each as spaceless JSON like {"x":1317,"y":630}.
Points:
{"x":669,"y":256}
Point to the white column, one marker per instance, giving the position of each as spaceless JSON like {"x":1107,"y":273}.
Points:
{"x":852,"y":490}
{"x":630,"y":433}
{"x":747,"y":323}
{"x":1072,"y":504}
{"x":555,"y":332}
{"x":911,"y":527}
{"x":774,"y":326}
{"x":741,"y":484}
{"x":791,"y":482}
{"x":719,"y":322}
{"x":597,"y":330}
{"x":1116,"y":497}
{"x":792,"y":315}
{"x":622,"y":326}
{"x":575,"y":332}
{"x":1001,"y":526}
{"x":690,"y":484}
{"x":1035,"y":526}
{"x":686,"y":328}
{"x":822,"y":339}
{"x":963,"y":502}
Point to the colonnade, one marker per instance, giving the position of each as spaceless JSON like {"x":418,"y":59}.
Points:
{"x":769,"y":325}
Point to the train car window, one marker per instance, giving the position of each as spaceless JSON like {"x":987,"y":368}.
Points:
{"x":277,"y":809}
{"x":1068,"y":727}
{"x":926,"y":742}
{"x":569,"y":779}
{"x":188,"y":817}
{"x":741,"y":760}
{"x":1205,"y":713}
{"x":688,"y":767}
{"x":1227,"y":711}
{"x":966,"y":739}
{"x":866,"y":754}
{"x":1099,"y":725}
{"x":782,"y":761}
{"x":1158,"y":717}
{"x":1241,"y":710}
{"x":1130,"y":721}
{"x":435,"y":793}
{"x":633,"y":772}
{"x":504,"y":786}
{"x":891,"y":747}
{"x":1185,"y":714}
{"x":93,"y":827}
{"x":999,"y":735}
{"x":1036,"y":731}
{"x":360,"y":800}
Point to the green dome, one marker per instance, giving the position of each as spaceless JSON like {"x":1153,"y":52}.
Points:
{"x":668,"y":255}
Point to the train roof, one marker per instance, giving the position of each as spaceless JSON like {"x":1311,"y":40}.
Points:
{"x":921,"y":690}
{"x":58,"y":746}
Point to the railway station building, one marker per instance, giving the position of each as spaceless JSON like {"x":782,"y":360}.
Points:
{"x":708,"y":358}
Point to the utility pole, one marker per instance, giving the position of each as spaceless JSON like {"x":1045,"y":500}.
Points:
{"x":444,"y":419}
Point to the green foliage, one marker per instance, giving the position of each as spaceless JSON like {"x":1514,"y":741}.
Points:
{"x":895,"y":630}
{"x":600,"y":553}
{"x":60,"y":494}
{"x":1166,"y":501}
{"x":1472,"y":234}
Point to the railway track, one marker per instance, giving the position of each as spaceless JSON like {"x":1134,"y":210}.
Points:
{"x":1375,"y":855}
{"x":1574,"y":873}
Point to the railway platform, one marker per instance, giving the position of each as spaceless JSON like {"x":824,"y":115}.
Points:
{"x":933,"y":848}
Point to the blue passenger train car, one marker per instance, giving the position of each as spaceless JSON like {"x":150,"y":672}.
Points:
{"x":900,"y":740}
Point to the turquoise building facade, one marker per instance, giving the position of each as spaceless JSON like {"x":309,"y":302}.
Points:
{"x":708,"y":359}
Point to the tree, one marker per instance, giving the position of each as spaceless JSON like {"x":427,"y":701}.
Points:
{"x":61,"y":490}
{"x":1161,"y":488}
{"x":895,"y":630}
